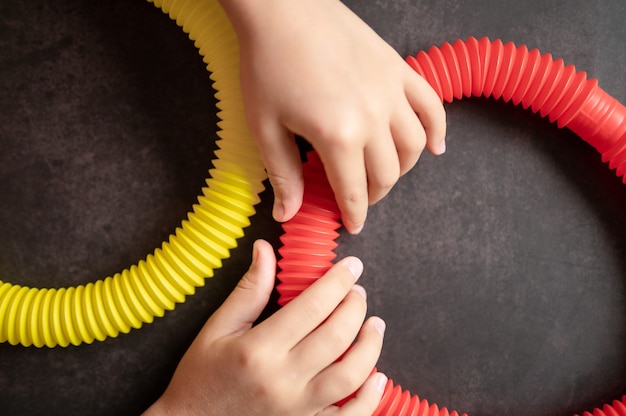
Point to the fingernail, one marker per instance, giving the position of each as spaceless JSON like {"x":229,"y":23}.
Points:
{"x":355,"y":266}
{"x":441,"y":148}
{"x":357,"y":230}
{"x":360,"y":290}
{"x":381,"y":381}
{"x":379,"y":325}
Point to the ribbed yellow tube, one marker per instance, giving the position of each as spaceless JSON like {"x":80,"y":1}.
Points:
{"x":73,"y":315}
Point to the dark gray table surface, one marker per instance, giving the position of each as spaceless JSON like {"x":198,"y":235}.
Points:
{"x":499,"y":267}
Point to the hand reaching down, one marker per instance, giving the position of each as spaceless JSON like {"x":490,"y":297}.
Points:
{"x":313,"y":68}
{"x":286,"y":365}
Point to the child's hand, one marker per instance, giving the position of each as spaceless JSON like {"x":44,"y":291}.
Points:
{"x":314,"y":69}
{"x":286,"y":365}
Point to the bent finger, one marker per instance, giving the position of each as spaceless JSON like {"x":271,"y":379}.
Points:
{"x":383,"y":167}
{"x":344,"y":377}
{"x":409,"y":137}
{"x":429,"y":109}
{"x":333,"y":337}
{"x":347,"y":176}
{"x":281,"y":157}
{"x":367,"y":399}
{"x":292,"y":323}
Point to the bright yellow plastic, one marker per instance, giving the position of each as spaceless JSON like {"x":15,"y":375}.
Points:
{"x":106,"y":308}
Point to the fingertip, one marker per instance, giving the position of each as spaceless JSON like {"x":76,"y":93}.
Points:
{"x":278,"y":211}
{"x":263,"y":261}
{"x":281,"y":157}
{"x":380,"y":382}
{"x":285,"y":209}
{"x":354,"y":229}
{"x":374,"y":387}
{"x":288,"y":192}
{"x":379,"y":324}
{"x":436,"y":132}
{"x":355,"y":265}
{"x":258,"y":248}
{"x":367,"y":399}
{"x":439,"y":148}
{"x":430,"y":110}
{"x":352,"y":222}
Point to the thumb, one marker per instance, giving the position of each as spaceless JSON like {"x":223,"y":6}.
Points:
{"x":246,"y":302}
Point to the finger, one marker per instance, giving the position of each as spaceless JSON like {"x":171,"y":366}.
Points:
{"x":409,"y":137}
{"x":348,"y":178}
{"x":307,"y":311}
{"x":344,"y":377}
{"x":426,"y":103}
{"x":367,"y":399}
{"x":281,"y":157}
{"x":244,"y":305}
{"x":383,"y":167}
{"x":333,"y":337}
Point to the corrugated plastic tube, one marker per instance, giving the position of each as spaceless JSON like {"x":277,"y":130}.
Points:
{"x":66,"y":316}
{"x":62,"y":316}
{"x":462,"y":69}
{"x":532,"y":80}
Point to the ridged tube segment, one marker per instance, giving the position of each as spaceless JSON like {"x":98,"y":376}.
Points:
{"x":532,"y":80}
{"x":309,"y":238}
{"x":307,"y":253}
{"x":398,"y":402}
{"x":617,"y":408}
{"x":82,"y":314}
{"x":463,"y":69}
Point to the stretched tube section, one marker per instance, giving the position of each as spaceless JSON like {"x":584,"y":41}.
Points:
{"x":462,"y":69}
{"x":70,"y":316}
{"x":532,"y":80}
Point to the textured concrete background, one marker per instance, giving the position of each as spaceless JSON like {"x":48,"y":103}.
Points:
{"x":499,"y":267}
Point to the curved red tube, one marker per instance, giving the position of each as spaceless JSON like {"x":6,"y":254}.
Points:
{"x":547,"y":86}
{"x":463,"y":69}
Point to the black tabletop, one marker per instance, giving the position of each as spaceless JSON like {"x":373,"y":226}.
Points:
{"x":499,"y":267}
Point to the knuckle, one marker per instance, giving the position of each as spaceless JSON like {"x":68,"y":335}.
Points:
{"x":278,"y":180}
{"x":354,"y":209}
{"x":350,"y":380}
{"x":386,"y":180}
{"x":269,"y":392}
{"x":245,"y":283}
{"x":342,"y":134}
{"x":314,"y":308}
{"x":339,"y":336}
{"x":251,"y":360}
{"x":354,"y":198}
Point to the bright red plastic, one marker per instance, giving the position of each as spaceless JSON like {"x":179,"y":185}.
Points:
{"x":463,"y":69}
{"x":546,"y":86}
{"x":307,"y":253}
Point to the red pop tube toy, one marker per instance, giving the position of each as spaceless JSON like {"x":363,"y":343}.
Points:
{"x":493,"y":69}
{"x":463,"y":69}
{"x":307,"y":253}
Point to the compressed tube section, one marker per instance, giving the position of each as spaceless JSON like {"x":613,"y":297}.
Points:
{"x":309,"y":239}
{"x":71,"y":316}
{"x":462,"y":69}
{"x":307,"y":253}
